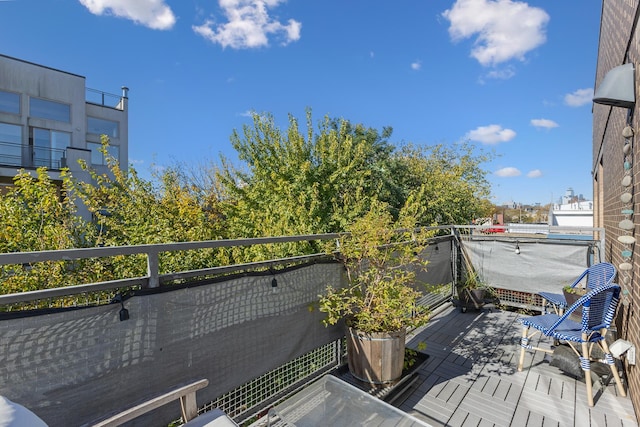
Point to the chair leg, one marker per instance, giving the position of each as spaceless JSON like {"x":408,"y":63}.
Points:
{"x":612,"y":365}
{"x":585,"y":364}
{"x":524,"y":344}
{"x":545,"y":306}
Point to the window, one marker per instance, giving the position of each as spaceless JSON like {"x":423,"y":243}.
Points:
{"x":9,"y":102}
{"x":102,"y":127}
{"x":51,"y":110}
{"x":10,"y":144}
{"x":97,"y":158}
{"x":49,"y":147}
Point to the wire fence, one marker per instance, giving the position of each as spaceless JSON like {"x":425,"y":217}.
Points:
{"x":250,"y":402}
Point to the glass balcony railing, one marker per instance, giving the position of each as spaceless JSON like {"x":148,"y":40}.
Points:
{"x":104,"y":99}
{"x":29,"y":156}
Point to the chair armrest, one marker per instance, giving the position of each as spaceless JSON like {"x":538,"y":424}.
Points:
{"x":186,"y":394}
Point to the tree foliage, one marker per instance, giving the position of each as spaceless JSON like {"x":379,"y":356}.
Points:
{"x":299,"y":182}
{"x":455,"y":185}
{"x":311,"y":179}
{"x":38,"y":214}
{"x":128,"y":210}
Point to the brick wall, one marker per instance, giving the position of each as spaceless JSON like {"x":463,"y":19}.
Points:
{"x":618,"y":45}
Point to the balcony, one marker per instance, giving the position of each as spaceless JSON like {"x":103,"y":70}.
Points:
{"x":105,"y":99}
{"x":28,"y":156}
{"x":252,"y":330}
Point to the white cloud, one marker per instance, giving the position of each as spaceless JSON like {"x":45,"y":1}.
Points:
{"x":535,"y":173}
{"x":503,"y":74}
{"x":154,"y":14}
{"x":544,"y":123}
{"x":416,"y":65}
{"x":248,"y":26}
{"x":492,"y":134}
{"x":508,"y":172}
{"x":579,"y":98}
{"x":504,"y":29}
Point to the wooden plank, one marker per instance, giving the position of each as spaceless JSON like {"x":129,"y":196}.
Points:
{"x":583,"y":418}
{"x":486,"y":408}
{"x":535,"y":420}
{"x":472,"y":420}
{"x":458,"y":396}
{"x":502,"y":391}
{"x":438,"y":413}
{"x":458,"y":418}
{"x":548,"y":422}
{"x":189,"y":406}
{"x":520,"y":416}
{"x":514,"y":393}
{"x":475,"y":373}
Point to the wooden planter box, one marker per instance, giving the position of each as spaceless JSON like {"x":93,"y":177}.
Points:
{"x":376,"y":358}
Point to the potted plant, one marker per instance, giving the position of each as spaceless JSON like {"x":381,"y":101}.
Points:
{"x":571,"y":295}
{"x":472,"y":292}
{"x":379,"y":301}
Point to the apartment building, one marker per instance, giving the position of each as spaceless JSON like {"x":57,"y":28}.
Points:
{"x":615,"y":169}
{"x":50,"y":118}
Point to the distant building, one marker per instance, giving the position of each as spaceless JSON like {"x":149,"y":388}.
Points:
{"x":569,"y":197}
{"x":576,"y":214}
{"x":50,"y":118}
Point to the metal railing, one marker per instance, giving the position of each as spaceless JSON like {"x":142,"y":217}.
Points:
{"x":522,"y":232}
{"x":154,"y":278}
{"x":29,"y":156}
{"x":104,"y":99}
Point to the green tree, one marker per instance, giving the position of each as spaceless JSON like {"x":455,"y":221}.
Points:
{"x":39,"y":214}
{"x":129,"y":210}
{"x":453,"y":180}
{"x":298,"y":182}
{"x":291,"y":182}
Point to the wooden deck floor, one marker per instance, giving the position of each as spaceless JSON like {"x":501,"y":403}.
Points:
{"x":471,"y":379}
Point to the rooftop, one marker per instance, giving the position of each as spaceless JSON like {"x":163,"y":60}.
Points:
{"x":250,"y":331}
{"x":470,"y":379}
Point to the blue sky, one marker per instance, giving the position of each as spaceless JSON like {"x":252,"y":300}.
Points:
{"x":511,"y":76}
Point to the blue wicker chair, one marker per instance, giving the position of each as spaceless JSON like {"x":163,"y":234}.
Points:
{"x":598,"y":310}
{"x":598,"y":274}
